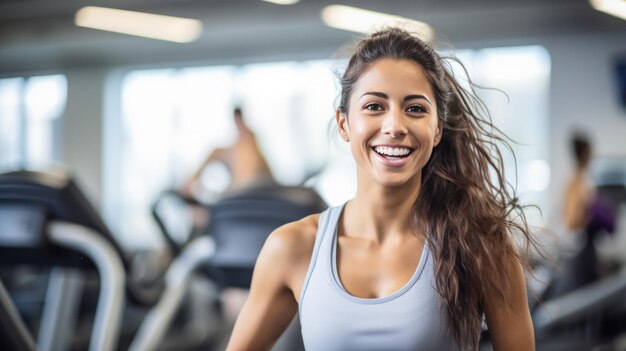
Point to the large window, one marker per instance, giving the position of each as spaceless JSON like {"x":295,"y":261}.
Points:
{"x":172,"y":118}
{"x":520,"y":109}
{"x":30,"y":111}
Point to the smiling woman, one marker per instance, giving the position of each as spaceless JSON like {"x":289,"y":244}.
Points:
{"x":392,"y":126}
{"x":423,"y":252}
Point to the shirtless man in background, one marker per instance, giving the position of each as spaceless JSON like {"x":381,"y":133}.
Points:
{"x":244,"y":160}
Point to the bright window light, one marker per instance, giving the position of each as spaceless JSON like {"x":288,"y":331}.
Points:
{"x":283,"y":2}
{"x":365,"y":21}
{"x":175,"y":29}
{"x":615,"y":8}
{"x":537,"y":175}
{"x":30,"y":112}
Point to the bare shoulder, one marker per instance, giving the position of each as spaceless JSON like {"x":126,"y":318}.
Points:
{"x":294,"y":241}
{"x":288,"y":251}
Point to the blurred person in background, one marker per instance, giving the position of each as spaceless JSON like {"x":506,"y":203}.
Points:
{"x":244,"y":160}
{"x":585,"y":212}
{"x":580,"y":190}
{"x":585,"y":215}
{"x":248,"y":169}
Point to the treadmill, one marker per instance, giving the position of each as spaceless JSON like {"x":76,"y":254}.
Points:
{"x":46,"y":221}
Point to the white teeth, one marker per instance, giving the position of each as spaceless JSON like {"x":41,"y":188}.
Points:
{"x":392,"y":151}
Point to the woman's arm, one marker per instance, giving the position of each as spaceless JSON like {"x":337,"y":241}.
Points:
{"x":510,"y":325}
{"x":271,"y":306}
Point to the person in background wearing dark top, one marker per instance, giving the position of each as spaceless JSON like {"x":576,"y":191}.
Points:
{"x":244,"y":160}
{"x":586,"y":214}
{"x":585,"y":211}
{"x":424,"y":251}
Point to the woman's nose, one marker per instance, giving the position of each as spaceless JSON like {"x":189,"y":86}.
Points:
{"x":394,"y":124}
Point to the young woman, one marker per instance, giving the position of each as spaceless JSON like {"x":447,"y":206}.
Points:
{"x":424,"y":250}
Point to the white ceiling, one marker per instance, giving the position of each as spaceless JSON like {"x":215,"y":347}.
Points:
{"x":40,"y":35}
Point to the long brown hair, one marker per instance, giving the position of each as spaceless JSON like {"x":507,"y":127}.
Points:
{"x":465,"y":205}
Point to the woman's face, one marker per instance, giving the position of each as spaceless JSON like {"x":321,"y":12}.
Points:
{"x":392,"y":122}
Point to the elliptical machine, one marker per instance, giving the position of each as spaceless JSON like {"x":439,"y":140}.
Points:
{"x":226,"y":250}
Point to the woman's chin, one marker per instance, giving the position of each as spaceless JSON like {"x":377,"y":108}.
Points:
{"x":395,"y":182}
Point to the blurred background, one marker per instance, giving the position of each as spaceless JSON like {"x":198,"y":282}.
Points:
{"x":131,"y":116}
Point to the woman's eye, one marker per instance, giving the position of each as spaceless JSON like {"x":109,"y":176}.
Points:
{"x":416,"y":109}
{"x":373,"y":107}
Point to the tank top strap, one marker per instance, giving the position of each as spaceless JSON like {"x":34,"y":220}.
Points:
{"x":329,"y":217}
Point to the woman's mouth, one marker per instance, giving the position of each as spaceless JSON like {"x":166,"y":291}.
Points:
{"x":393,"y":153}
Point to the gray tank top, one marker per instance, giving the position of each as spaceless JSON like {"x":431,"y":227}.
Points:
{"x":332,"y":319}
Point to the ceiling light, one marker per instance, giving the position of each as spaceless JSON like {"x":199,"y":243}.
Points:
{"x":282,"y":2}
{"x":365,"y":21}
{"x":615,"y":8}
{"x":176,"y":29}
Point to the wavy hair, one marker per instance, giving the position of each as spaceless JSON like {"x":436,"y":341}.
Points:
{"x":472,"y":211}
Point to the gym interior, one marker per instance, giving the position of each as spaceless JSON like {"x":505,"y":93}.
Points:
{"x":100,"y":129}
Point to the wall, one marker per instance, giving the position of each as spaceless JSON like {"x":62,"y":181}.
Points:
{"x":81,"y":136}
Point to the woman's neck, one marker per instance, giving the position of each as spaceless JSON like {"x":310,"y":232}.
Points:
{"x":378,"y":212}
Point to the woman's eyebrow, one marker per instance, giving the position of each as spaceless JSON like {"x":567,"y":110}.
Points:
{"x":385,"y":96}
{"x":376,"y":93}
{"x":416,"y":96}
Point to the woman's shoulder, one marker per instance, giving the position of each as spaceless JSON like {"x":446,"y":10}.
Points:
{"x":288,"y":251}
{"x":294,"y":241}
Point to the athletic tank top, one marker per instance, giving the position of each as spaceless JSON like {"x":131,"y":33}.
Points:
{"x":332,"y":319}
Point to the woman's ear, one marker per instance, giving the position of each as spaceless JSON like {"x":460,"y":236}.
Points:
{"x":342,"y":124}
{"x":438,"y":135}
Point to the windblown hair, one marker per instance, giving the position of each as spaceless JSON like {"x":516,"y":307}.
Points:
{"x":467,"y":209}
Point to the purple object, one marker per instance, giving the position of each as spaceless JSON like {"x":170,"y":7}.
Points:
{"x":602,"y":217}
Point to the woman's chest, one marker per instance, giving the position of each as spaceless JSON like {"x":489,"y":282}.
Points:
{"x":372,"y":272}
